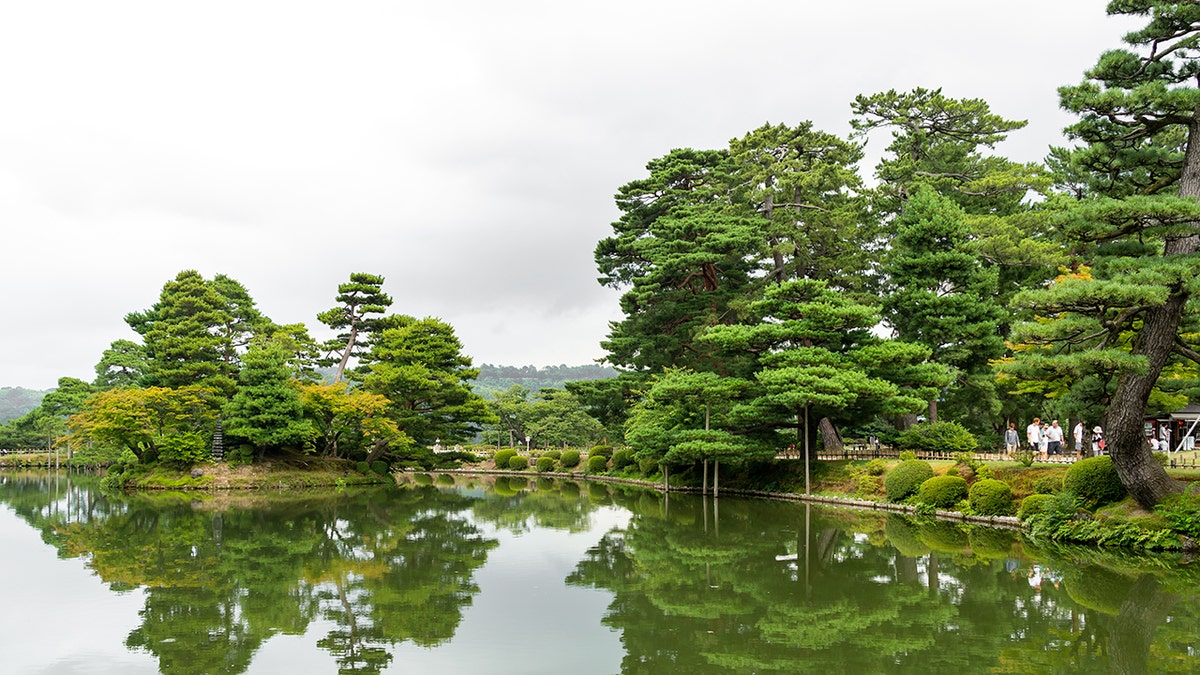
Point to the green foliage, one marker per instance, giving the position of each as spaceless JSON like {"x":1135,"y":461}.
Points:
{"x":906,"y":478}
{"x":1183,"y":513}
{"x":876,"y":467}
{"x":545,"y":463}
{"x":358,"y":301}
{"x":502,"y":456}
{"x":1094,"y":481}
{"x":1059,"y":519}
{"x":362,"y":467}
{"x":597,"y":464}
{"x":906,"y":455}
{"x":943,"y":437}
{"x":647,"y":467}
{"x":942,"y":492}
{"x":1024,"y":457}
{"x":569,"y":459}
{"x":380,"y":467}
{"x":552,"y":453}
{"x":418,"y":365}
{"x":266,"y":410}
{"x":518,"y":462}
{"x":601,"y":451}
{"x":1048,"y":485}
{"x":991,"y":497}
{"x":623,"y":458}
{"x":183,"y":450}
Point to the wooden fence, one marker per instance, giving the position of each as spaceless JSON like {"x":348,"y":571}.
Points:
{"x":864,"y":451}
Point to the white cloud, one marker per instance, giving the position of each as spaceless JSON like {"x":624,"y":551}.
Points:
{"x":468,"y":151}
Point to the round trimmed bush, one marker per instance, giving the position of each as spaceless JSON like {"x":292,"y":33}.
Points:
{"x":502,"y":456}
{"x":876,"y":467}
{"x":991,"y":497}
{"x":1094,"y":480}
{"x":552,"y":453}
{"x":605,"y":451}
{"x":647,"y":466}
{"x":942,"y":492}
{"x":906,"y":479}
{"x":518,"y":462}
{"x":362,"y":467}
{"x":1032,"y":505}
{"x":380,"y":467}
{"x":545,"y":463}
{"x":569,"y":459}
{"x":597,"y":464}
{"x":622,"y":458}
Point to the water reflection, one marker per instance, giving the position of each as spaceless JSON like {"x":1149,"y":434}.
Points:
{"x":695,"y":585}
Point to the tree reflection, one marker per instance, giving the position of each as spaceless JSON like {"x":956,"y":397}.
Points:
{"x":384,"y":566}
{"x":770,"y":587}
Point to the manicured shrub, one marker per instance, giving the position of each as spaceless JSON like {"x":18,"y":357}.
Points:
{"x":545,"y":464}
{"x":876,"y":467}
{"x":569,"y":459}
{"x":1048,"y":485}
{"x":942,"y":492}
{"x":991,"y":497}
{"x":597,"y":464}
{"x":605,"y":451}
{"x":380,"y":467}
{"x":1094,"y":481}
{"x":947,"y":437}
{"x":906,"y":479}
{"x":362,"y":467}
{"x":622,"y":458}
{"x":1032,"y":505}
{"x":552,"y":453}
{"x":906,"y":455}
{"x":518,"y":462}
{"x":502,"y":456}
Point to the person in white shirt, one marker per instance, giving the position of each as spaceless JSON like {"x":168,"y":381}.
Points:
{"x":1033,"y":435}
{"x":1164,"y":438}
{"x":1054,"y":438}
{"x":1078,"y":433}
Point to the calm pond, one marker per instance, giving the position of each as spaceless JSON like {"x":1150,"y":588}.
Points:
{"x":539,"y":576}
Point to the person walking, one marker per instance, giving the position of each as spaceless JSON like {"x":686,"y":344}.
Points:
{"x":1078,"y":433}
{"x":1054,"y":439}
{"x":1164,"y":437}
{"x":1033,"y":435}
{"x":1097,"y":440}
{"x":1012,"y":440}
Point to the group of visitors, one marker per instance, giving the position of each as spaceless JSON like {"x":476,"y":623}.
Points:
{"x":1047,"y":440}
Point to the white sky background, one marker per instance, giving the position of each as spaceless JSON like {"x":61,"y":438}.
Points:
{"x":468,"y":151}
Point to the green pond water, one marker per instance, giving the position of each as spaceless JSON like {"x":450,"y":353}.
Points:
{"x":460,"y":575}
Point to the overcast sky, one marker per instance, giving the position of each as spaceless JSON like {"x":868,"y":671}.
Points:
{"x":468,"y":151}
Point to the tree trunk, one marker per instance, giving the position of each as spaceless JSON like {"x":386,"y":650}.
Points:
{"x":830,"y":437}
{"x":1146,"y":480}
{"x":932,"y":416}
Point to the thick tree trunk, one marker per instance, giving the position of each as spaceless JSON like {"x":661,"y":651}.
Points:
{"x":932,"y":416}
{"x":830,"y":437}
{"x":1146,"y":480}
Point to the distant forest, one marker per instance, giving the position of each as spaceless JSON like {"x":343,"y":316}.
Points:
{"x":16,"y":401}
{"x":495,"y":379}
